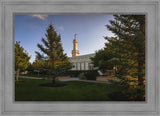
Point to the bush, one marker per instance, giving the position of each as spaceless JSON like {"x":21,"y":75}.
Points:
{"x":91,"y":75}
{"x":73,"y":73}
{"x":82,"y":76}
{"x":110,"y":72}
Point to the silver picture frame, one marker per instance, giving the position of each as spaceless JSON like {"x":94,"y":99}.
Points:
{"x":8,"y":106}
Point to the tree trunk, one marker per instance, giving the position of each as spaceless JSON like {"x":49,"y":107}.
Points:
{"x":53,"y":67}
{"x":17,"y":74}
{"x":53,"y":81}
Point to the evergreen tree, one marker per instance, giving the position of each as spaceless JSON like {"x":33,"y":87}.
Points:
{"x":39,"y":66}
{"x":21,"y":59}
{"x":130,"y":30}
{"x":126,"y":50}
{"x":56,"y":61}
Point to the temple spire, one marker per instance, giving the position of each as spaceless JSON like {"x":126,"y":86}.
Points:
{"x":75,"y":51}
{"x":75,"y":36}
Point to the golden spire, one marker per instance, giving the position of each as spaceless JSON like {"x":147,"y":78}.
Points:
{"x":75,"y":51}
{"x":75,"y":36}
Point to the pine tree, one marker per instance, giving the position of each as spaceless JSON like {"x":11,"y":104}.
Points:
{"x":126,"y":50}
{"x":56,"y":61}
{"x":130,"y":29}
{"x":21,"y":59}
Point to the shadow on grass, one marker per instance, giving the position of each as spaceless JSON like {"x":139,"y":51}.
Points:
{"x":119,"y":96}
{"x":53,"y":85}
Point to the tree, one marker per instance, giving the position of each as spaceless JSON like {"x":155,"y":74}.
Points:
{"x":56,"y":61}
{"x":101,"y":60}
{"x":21,"y":59}
{"x":30,"y":68}
{"x":130,"y":30}
{"x":126,"y":50}
{"x":39,"y":65}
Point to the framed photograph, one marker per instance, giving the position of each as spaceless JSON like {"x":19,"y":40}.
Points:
{"x":79,"y":57}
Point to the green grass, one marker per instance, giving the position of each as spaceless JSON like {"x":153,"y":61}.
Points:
{"x":30,"y":90}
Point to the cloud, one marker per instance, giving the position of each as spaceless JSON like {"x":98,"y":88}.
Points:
{"x":61,"y":28}
{"x":40,"y":16}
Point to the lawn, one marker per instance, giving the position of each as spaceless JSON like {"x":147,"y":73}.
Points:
{"x":30,"y":90}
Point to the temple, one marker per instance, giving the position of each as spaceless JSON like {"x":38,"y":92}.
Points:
{"x":80,"y":62}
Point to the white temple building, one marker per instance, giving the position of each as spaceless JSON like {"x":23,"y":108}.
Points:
{"x":82,"y":62}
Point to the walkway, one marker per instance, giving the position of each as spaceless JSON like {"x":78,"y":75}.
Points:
{"x":69,"y":79}
{"x":30,"y":77}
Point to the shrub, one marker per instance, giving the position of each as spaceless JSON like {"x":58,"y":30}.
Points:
{"x":82,"y":76}
{"x":74,"y":73}
{"x":91,"y":75}
{"x":110,"y":72}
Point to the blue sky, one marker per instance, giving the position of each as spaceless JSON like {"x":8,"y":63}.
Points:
{"x":90,"y":30}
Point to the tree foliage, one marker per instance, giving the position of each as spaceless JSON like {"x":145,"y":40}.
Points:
{"x":55,"y":61}
{"x":130,"y":31}
{"x":21,"y":59}
{"x":125,"y":50}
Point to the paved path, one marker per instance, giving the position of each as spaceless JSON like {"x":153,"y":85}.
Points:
{"x":77,"y":79}
{"x":30,"y":77}
{"x":93,"y":81}
{"x":70,"y":79}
